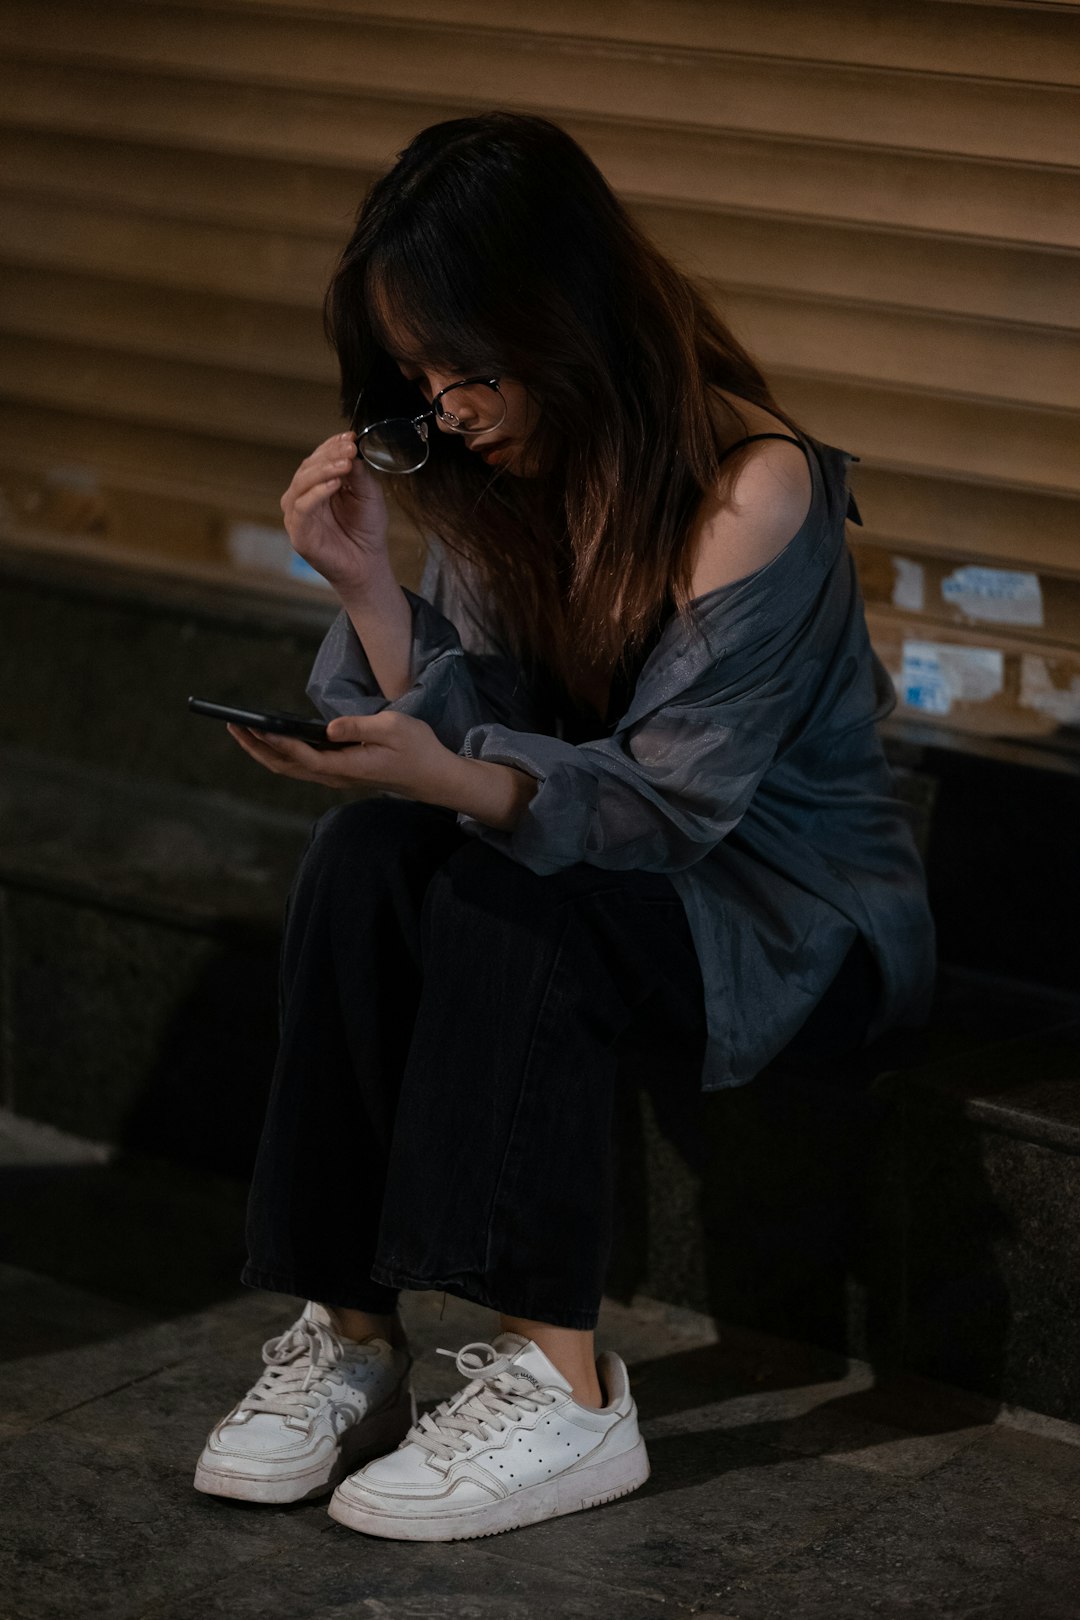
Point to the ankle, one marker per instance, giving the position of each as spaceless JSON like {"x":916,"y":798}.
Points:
{"x":571,"y":1350}
{"x":360,"y":1325}
{"x":589,"y":1392}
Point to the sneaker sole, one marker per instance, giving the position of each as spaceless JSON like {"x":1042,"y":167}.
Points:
{"x":583,"y":1488}
{"x":381,"y":1432}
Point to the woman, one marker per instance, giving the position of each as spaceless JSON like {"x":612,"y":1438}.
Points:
{"x":624,"y":741}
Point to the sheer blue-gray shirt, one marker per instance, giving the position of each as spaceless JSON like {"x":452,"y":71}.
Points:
{"x":748,"y":766}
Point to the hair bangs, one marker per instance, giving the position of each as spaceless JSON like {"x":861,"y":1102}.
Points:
{"x":421,"y":313}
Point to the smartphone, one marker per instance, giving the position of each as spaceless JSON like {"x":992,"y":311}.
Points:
{"x":306,"y":727}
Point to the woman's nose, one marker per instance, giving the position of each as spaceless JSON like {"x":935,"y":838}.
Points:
{"x":437,"y":384}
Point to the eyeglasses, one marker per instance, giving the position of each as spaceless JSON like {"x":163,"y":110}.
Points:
{"x":399,"y":444}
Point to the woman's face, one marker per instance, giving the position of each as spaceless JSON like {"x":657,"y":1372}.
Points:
{"x":503,"y":447}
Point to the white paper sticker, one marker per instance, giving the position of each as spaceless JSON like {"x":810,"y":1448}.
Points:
{"x":1037,"y":691}
{"x":300,"y":568}
{"x":936,"y":675}
{"x":995,"y":595}
{"x":263,"y":546}
{"x":909,"y":591}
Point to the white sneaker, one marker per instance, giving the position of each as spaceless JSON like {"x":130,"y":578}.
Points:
{"x":323,"y":1403}
{"x":513,"y":1447}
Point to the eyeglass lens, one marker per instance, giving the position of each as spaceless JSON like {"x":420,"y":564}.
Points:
{"x":398,"y":445}
{"x":395,"y":446}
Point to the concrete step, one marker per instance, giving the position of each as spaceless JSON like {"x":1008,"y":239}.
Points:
{"x":917,"y":1207}
{"x":785,"y":1479}
{"x":113,"y":653}
{"x":924,"y":1216}
{"x":140,"y":926}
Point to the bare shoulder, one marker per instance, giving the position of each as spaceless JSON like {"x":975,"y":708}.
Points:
{"x":770,"y":500}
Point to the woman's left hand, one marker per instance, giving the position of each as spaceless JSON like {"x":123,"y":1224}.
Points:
{"x":388,"y":750}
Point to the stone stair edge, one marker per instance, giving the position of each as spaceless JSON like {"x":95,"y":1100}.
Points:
{"x":252,"y":604}
{"x":1036,"y":1097}
{"x":224,"y":859}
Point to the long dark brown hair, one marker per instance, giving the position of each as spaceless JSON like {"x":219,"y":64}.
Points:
{"x":495,"y":246}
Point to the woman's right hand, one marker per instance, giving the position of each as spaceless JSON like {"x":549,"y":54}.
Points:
{"x":336,"y":516}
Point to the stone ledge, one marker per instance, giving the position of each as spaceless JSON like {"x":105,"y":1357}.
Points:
{"x":188,"y":857}
{"x":1027,"y":1088}
{"x":70,"y":568}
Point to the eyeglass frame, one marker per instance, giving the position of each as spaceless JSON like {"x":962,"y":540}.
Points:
{"x":433,"y":410}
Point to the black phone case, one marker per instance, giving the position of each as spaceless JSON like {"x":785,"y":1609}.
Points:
{"x":286,"y":724}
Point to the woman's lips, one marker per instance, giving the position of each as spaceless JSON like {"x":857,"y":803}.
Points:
{"x":488,"y":449}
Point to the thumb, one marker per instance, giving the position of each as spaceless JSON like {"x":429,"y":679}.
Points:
{"x":350,"y":728}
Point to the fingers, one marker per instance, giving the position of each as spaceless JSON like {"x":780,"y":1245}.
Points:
{"x":313,"y":496}
{"x":329,"y":447}
{"x":285,"y":756}
{"x":320,"y":473}
{"x":249,"y":741}
{"x":274,"y":761}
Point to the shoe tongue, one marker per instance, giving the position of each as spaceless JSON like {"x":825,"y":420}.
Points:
{"x":526,"y":1356}
{"x":314,"y":1312}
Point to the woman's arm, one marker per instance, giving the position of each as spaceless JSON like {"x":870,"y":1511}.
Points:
{"x":380,"y":613}
{"x":769,"y":502}
{"x":400,"y":755}
{"x":716,"y":705}
{"x":497,"y":795}
{"x":458,"y":674}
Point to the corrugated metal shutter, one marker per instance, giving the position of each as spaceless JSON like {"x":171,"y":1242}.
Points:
{"x":886,"y":199}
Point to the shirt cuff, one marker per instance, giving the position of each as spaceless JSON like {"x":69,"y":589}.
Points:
{"x":552,"y":829}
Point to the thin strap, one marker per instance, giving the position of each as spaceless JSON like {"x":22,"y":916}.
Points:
{"x":852,"y":509}
{"x":752,"y":436}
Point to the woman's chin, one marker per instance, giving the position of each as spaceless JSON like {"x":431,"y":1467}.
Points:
{"x":497,"y":455}
{"x":511,"y":458}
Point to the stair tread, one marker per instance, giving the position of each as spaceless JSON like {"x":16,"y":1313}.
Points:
{"x":1027,"y":1086}
{"x":185,"y":855}
{"x":1003,"y":1053}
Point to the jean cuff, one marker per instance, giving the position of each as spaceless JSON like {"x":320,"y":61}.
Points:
{"x":474,"y":1288}
{"x":373,"y":1297}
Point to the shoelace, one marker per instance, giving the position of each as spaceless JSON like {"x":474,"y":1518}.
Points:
{"x":489,"y":1403}
{"x":294,"y":1391}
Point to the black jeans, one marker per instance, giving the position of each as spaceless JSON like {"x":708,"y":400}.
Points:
{"x":441,"y":1111}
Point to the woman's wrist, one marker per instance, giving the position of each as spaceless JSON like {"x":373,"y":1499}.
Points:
{"x":494,"y":794}
{"x":360,"y":589}
{"x":381,"y":615}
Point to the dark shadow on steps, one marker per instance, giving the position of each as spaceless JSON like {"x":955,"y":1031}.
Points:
{"x":205,"y":1095}
{"x":160,"y":1227}
{"x":856,"y":1206}
{"x":139,"y":1232}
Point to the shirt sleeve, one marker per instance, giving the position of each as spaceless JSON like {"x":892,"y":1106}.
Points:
{"x":655,"y":796}
{"x":462,"y":674}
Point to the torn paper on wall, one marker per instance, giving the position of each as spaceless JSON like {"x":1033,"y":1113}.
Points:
{"x":1038,"y":691}
{"x":994,"y":595}
{"x":909,"y":589}
{"x":935,"y":675}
